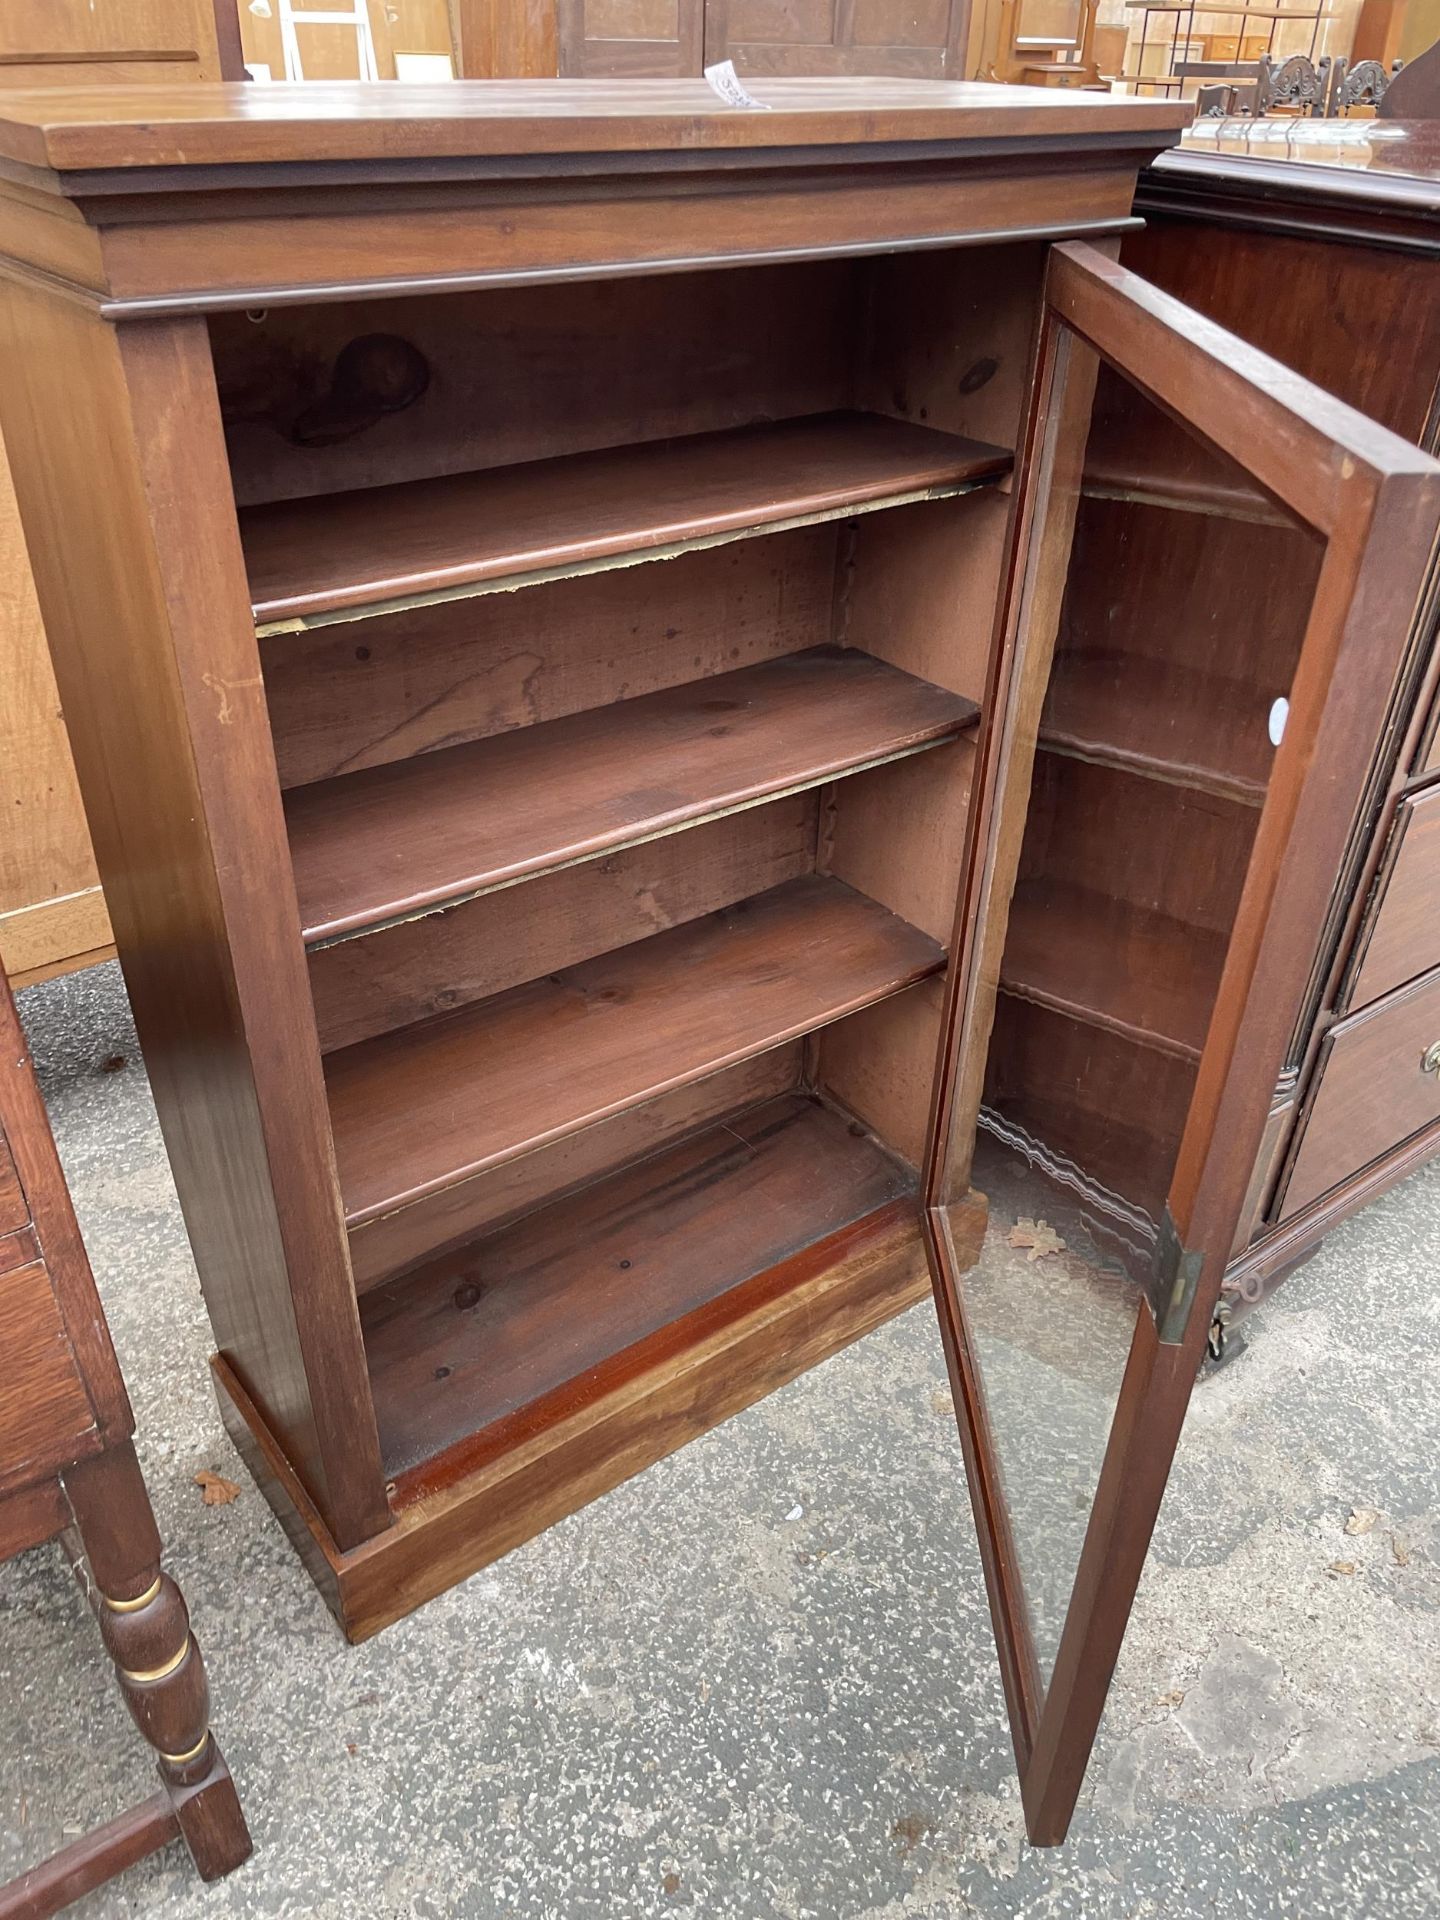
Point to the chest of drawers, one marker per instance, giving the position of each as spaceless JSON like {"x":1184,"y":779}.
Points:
{"x":1319,"y":242}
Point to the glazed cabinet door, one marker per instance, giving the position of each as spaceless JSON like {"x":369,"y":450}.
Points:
{"x":1215,"y":574}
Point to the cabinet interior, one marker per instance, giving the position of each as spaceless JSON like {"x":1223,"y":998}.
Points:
{"x":624,"y":645}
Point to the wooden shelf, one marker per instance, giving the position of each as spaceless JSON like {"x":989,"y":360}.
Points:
{"x":314,"y":560}
{"x":420,"y":1109}
{"x":1154,"y":462}
{"x":377,"y":846}
{"x":1112,"y":964}
{"x":1164,"y":720}
{"x":556,"y":1299}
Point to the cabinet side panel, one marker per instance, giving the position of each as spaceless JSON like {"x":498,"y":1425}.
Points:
{"x":119,"y":464}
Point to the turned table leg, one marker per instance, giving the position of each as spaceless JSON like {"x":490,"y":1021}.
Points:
{"x":146,"y":1629}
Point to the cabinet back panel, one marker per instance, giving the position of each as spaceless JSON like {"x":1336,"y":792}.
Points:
{"x":880,"y":1064}
{"x":897,"y":833}
{"x":1236,"y":595}
{"x":522,"y":373}
{"x":1114,"y":1106}
{"x":951,"y":336}
{"x":373,"y":691}
{"x":391,"y":1245}
{"x":443,"y":961}
{"x":918,"y":587}
{"x":1166,"y":849}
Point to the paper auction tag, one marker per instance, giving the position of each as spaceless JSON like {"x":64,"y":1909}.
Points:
{"x":727,"y":83}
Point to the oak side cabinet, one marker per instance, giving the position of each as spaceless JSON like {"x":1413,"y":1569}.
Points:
{"x":68,"y":1470}
{"x":554,"y":588}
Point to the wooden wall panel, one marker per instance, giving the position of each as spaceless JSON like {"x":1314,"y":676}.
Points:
{"x":51,"y":907}
{"x":52,"y":912}
{"x":55,"y":42}
{"x":507,"y":39}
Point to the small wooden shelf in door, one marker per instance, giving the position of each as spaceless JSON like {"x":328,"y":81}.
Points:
{"x":333,"y":557}
{"x":379,"y":845}
{"x":1166,"y":720}
{"x":1112,"y":964}
{"x":420,"y":1109}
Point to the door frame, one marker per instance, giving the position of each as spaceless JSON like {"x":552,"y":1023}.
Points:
{"x":1374,"y":500}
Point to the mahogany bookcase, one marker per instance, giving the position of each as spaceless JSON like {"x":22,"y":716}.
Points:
{"x":552,"y":588}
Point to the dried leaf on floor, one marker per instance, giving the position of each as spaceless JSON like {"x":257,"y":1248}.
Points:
{"x":1401,"y":1550}
{"x":1362,"y":1520}
{"x":1341,"y":1567}
{"x":215,"y":1489}
{"x":1038,"y":1235}
{"x":1175,"y":1698}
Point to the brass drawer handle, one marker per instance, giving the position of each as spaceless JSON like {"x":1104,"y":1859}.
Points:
{"x":1430,"y":1059}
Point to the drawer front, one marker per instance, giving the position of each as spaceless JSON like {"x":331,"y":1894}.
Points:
{"x":14,"y":1208}
{"x":1401,"y":937}
{"x":1379,"y":1084}
{"x":46,"y":1419}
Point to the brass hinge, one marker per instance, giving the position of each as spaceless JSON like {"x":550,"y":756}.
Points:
{"x":1174,"y":1278}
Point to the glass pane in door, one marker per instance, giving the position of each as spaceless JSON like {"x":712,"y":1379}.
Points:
{"x":1183,"y":613}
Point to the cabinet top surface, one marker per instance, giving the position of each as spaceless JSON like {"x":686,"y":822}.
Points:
{"x":1395,"y":161}
{"x":75,"y":129}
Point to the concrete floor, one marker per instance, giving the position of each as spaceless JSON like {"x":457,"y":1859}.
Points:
{"x":758,"y":1681}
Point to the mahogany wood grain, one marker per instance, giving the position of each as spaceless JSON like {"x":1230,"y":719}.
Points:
{"x":505,"y":39}
{"x":382,"y":845}
{"x":1401,"y":937}
{"x":1378,"y":1084}
{"x":14,"y":1207}
{"x":389,"y":543}
{"x":168,"y":725}
{"x":1111,"y":964}
{"x":1376,"y":502}
{"x":1289,"y":1242}
{"x":439,"y":962}
{"x":136,"y":127}
{"x":1163,"y":848}
{"x":1430,"y":761}
{"x":87,"y":1863}
{"x":32,"y":1516}
{"x":18,"y":1249}
{"x":879,"y":1064}
{"x":1158,"y":718}
{"x":1112,"y":1104}
{"x":35,"y":1191}
{"x":630,"y":39}
{"x":45,"y":1414}
{"x":455,"y":238}
{"x":67,"y":1467}
{"x":1350,"y":230}
{"x":431,"y":677}
{"x":482,"y":1332}
{"x":532,"y":1469}
{"x":1358,"y":318}
{"x":523,"y":373}
{"x":394,"y":1243}
{"x":420,"y":1110}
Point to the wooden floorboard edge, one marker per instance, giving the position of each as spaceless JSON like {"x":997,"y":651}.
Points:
{"x":441,"y":1539}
